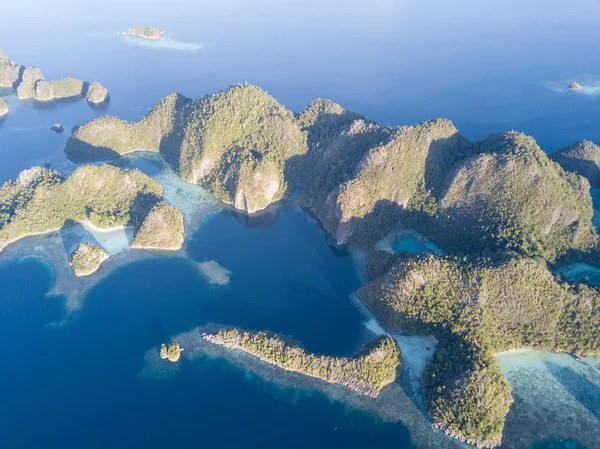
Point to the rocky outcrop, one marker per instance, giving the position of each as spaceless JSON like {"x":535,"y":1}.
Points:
{"x":582,"y":158}
{"x":29,"y":83}
{"x":3,"y":108}
{"x":58,"y":89}
{"x":144,"y":32}
{"x":367,"y":373}
{"x":172,"y":353}
{"x":87,"y":258}
{"x":26,"y":87}
{"x":10,"y":73}
{"x":162,"y":229}
{"x":96,"y":93}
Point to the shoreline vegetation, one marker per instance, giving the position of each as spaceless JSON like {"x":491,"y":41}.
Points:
{"x":40,"y":201}
{"x":87,"y":258}
{"x":503,"y":209}
{"x":367,"y":373}
{"x":144,"y":32}
{"x":29,"y":83}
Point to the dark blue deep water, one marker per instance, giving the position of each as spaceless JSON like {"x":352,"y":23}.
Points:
{"x":77,"y":385}
{"x":488,"y":66}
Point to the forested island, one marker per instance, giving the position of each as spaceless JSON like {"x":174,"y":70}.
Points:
{"x":367,"y":373}
{"x":41,"y":201}
{"x":504,"y":211}
{"x":29,"y":83}
{"x":87,"y":258}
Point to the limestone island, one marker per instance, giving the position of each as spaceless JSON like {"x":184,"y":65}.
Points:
{"x":29,"y":83}
{"x":87,"y":258}
{"x":582,"y":158}
{"x":367,"y":373}
{"x":40,"y":200}
{"x":144,"y":32}
{"x":57,"y":128}
{"x":161,"y":229}
{"x":476,"y":309}
{"x":575,"y":86}
{"x":172,"y":353}
{"x":502,"y":208}
{"x":3,"y":108}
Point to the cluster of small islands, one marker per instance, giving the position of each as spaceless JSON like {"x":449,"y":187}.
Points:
{"x":505,"y":212}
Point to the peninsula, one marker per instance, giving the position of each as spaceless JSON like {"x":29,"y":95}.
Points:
{"x":87,"y":258}
{"x":161,"y":229}
{"x":366,"y":373}
{"x":144,"y":32}
{"x":29,"y":83}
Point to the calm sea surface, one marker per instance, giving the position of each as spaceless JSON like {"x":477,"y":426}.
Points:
{"x":488,"y":66}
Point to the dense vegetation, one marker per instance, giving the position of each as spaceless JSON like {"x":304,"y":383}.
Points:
{"x":476,"y":309}
{"x":41,"y":201}
{"x":87,"y":258}
{"x":145,"y":32}
{"x":29,"y":83}
{"x":162,"y":229}
{"x":501,"y":195}
{"x":512,"y":197}
{"x":582,"y":158}
{"x":367,"y":373}
{"x":171,"y":353}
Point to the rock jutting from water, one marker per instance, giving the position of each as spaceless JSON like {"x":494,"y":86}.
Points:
{"x":172,"y":353}
{"x":30,"y":84}
{"x":3,"y":108}
{"x":575,"y":86}
{"x":144,"y":32}
{"x":87,"y":258}
{"x":57,"y":128}
{"x":367,"y":373}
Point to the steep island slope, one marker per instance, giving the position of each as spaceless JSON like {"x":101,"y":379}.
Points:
{"x":582,"y":158}
{"x":476,"y":309}
{"x":87,"y":258}
{"x":361,"y":180}
{"x":236,"y":143}
{"x":41,"y":200}
{"x":367,"y":373}
{"x":29,"y":83}
{"x":3,"y":108}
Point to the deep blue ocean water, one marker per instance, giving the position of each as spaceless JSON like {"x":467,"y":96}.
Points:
{"x":488,"y":66}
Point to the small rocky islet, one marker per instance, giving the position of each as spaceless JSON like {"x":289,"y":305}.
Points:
{"x":30,"y":84}
{"x":3,"y":108}
{"x":504,"y":211}
{"x":144,"y":32}
{"x":172,"y":352}
{"x":87,"y":258}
